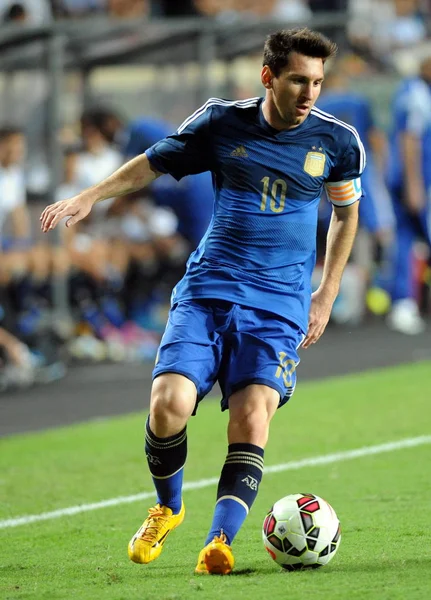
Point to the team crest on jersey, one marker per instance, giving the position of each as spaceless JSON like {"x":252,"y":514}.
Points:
{"x":314,"y":163}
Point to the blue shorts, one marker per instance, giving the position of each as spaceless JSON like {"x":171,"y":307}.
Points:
{"x":212,"y":340}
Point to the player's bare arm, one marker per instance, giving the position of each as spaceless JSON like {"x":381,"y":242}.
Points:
{"x":415,"y":194}
{"x":341,"y":234}
{"x":131,"y":177}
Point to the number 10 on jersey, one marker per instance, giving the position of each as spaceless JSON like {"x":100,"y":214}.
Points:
{"x":276,"y":192}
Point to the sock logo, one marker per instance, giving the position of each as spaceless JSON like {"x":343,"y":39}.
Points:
{"x":251,"y":482}
{"x":153,"y":460}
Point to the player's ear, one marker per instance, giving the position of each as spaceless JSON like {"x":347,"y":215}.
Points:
{"x":266,"y":77}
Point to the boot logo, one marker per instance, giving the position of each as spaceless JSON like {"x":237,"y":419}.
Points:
{"x":161,"y":541}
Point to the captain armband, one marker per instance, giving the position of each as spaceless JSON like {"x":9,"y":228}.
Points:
{"x":343,"y":193}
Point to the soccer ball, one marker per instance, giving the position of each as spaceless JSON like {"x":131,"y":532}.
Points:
{"x":301,"y":531}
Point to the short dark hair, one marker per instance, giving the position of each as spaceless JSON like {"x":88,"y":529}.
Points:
{"x":8,"y":131}
{"x":280,"y":45}
{"x":98,"y":115}
{"x":15,"y":12}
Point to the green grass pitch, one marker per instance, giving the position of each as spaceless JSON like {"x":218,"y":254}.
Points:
{"x":382,"y":501}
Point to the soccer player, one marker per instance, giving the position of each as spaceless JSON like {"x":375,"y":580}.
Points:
{"x":409,"y":179}
{"x":244,"y":305}
{"x":376,"y":215}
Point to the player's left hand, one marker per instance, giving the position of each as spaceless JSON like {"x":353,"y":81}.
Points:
{"x":320,"y":311}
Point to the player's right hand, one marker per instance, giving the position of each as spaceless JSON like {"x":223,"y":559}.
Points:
{"x":77,"y":208}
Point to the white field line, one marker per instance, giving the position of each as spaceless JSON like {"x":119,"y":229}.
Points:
{"x":325,"y":459}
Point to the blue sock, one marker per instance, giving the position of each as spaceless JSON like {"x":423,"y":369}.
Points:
{"x":237,"y":489}
{"x":166,"y":459}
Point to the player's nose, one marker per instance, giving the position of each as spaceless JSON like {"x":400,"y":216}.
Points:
{"x":307,"y":92}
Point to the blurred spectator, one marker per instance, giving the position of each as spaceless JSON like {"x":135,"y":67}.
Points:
{"x":128,"y":9}
{"x":155,"y":231}
{"x":98,"y":261}
{"x":78,"y":8}
{"x":157,"y":254}
{"x":14,"y":216}
{"x":15,"y":14}
{"x":375,"y":211}
{"x":17,"y":364}
{"x":191,"y":199}
{"x":93,"y":247}
{"x":409,"y":178}
{"x":214,"y":8}
{"x":287,"y":10}
{"x":101,"y":251}
{"x":69,"y":186}
{"x":291,"y":10}
{"x":173,"y":8}
{"x":34,"y":12}
{"x":98,"y":158}
{"x":327,"y":6}
{"x":379,"y":28}
{"x":26,"y":267}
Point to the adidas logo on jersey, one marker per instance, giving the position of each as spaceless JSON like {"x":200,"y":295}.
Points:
{"x":239,"y":152}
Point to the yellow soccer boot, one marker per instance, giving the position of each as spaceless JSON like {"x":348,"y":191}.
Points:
{"x":216,"y":558}
{"x":147,"y":543}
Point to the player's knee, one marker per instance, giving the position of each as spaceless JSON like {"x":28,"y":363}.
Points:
{"x":251,"y":411}
{"x":172,"y":403}
{"x":251,"y":425}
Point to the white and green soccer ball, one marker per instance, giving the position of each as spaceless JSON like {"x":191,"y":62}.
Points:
{"x":301,"y":531}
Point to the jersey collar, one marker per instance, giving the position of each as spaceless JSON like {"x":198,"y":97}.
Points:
{"x":276,"y":132}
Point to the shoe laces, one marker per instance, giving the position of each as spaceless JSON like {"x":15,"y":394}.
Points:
{"x":155,"y":518}
{"x":221,"y":538}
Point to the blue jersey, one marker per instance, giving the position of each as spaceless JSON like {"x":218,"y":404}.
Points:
{"x":142,"y":133}
{"x":355,"y":109}
{"x":191,"y":199}
{"x":352,"y":108}
{"x":259,"y":250}
{"x":411,"y":108}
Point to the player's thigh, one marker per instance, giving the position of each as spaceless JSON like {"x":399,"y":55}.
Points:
{"x":264,"y":352}
{"x":190,"y":346}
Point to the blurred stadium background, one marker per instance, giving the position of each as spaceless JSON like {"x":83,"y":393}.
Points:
{"x":85,"y":84}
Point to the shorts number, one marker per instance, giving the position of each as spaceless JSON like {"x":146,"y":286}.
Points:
{"x":286,"y":369}
{"x":277,"y":194}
